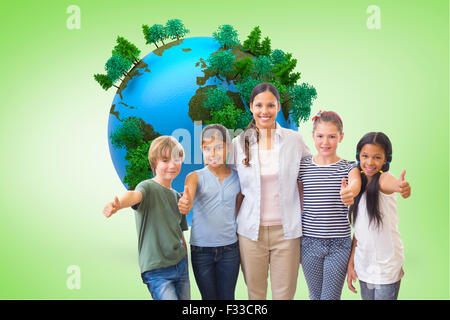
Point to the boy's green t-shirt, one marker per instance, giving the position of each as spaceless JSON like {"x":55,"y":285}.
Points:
{"x":159,"y":226}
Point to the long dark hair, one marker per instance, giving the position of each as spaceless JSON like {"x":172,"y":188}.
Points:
{"x":260,"y":88}
{"x":372,"y":188}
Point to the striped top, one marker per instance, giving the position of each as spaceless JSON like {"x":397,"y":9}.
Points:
{"x":324,"y":215}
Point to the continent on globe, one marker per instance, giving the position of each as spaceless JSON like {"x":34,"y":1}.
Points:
{"x":187,"y":83}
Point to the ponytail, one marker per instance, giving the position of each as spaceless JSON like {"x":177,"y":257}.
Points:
{"x":372,"y":199}
{"x":250,"y":128}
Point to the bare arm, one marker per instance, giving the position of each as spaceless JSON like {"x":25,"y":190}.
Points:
{"x":354,"y":181}
{"x":351,"y":274}
{"x":239,"y":199}
{"x":300,"y":192}
{"x":351,"y":262}
{"x":389,"y":184}
{"x":350,"y":191}
{"x":128,"y":199}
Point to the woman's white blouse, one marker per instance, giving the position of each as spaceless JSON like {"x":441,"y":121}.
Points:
{"x":291,"y":148}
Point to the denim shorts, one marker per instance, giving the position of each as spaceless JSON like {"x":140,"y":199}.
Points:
{"x":169,"y":283}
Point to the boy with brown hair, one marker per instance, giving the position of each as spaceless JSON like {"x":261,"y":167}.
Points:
{"x":159,"y":224}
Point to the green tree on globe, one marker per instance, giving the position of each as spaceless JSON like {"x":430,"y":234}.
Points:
{"x":189,"y":82}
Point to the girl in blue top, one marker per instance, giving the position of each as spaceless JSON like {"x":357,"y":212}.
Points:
{"x":326,"y":242}
{"x":212,"y":193}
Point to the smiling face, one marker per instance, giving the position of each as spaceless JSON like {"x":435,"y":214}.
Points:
{"x":372,"y":158}
{"x":264,"y":109}
{"x":168,"y":167}
{"x":214,"y":151}
{"x":326,"y":138}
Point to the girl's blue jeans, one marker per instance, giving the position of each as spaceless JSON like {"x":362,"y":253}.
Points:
{"x":324,"y":263}
{"x":216,"y":270}
{"x":169,"y":283}
{"x":371,"y":291}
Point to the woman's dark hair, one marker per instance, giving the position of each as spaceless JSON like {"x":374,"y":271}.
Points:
{"x":260,"y":88}
{"x":372,"y":188}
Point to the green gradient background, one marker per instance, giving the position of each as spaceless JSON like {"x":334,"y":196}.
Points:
{"x":56,"y":169}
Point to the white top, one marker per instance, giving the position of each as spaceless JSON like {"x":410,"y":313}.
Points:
{"x":291,"y":148}
{"x":270,"y":199}
{"x":379,"y":252}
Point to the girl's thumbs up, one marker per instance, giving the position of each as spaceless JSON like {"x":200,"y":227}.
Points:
{"x":346,"y":193}
{"x":404,"y":188}
{"x":184,"y":202}
{"x":186,"y":193}
{"x":344,"y":183}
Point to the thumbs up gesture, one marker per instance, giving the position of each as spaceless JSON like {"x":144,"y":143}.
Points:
{"x":111,"y":207}
{"x":185,"y":203}
{"x":346,"y":193}
{"x":404,"y":188}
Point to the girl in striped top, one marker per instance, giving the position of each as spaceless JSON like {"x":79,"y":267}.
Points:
{"x":326,"y":242}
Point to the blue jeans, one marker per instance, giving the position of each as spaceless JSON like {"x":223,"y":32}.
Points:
{"x":169,"y":283}
{"x":324,"y":263}
{"x":371,"y":291}
{"x":216,"y":270}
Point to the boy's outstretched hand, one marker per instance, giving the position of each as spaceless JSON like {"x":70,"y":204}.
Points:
{"x":404,"y":188}
{"x":184,"y":204}
{"x":346,"y":193}
{"x":111,"y":207}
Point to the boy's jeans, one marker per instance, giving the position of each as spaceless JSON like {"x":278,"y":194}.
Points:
{"x":216,"y":270}
{"x":379,"y":291}
{"x":169,"y":283}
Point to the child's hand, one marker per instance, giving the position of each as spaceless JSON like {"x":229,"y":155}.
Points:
{"x":404,"y":188}
{"x":184,"y":204}
{"x":346,"y":193}
{"x":351,"y":277}
{"x":111,"y":207}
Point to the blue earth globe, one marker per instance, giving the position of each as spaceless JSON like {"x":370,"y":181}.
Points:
{"x":160,"y":92}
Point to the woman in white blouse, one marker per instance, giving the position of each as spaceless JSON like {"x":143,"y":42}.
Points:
{"x":267,"y":160}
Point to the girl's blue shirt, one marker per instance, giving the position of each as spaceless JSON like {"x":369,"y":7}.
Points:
{"x":214,"y":220}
